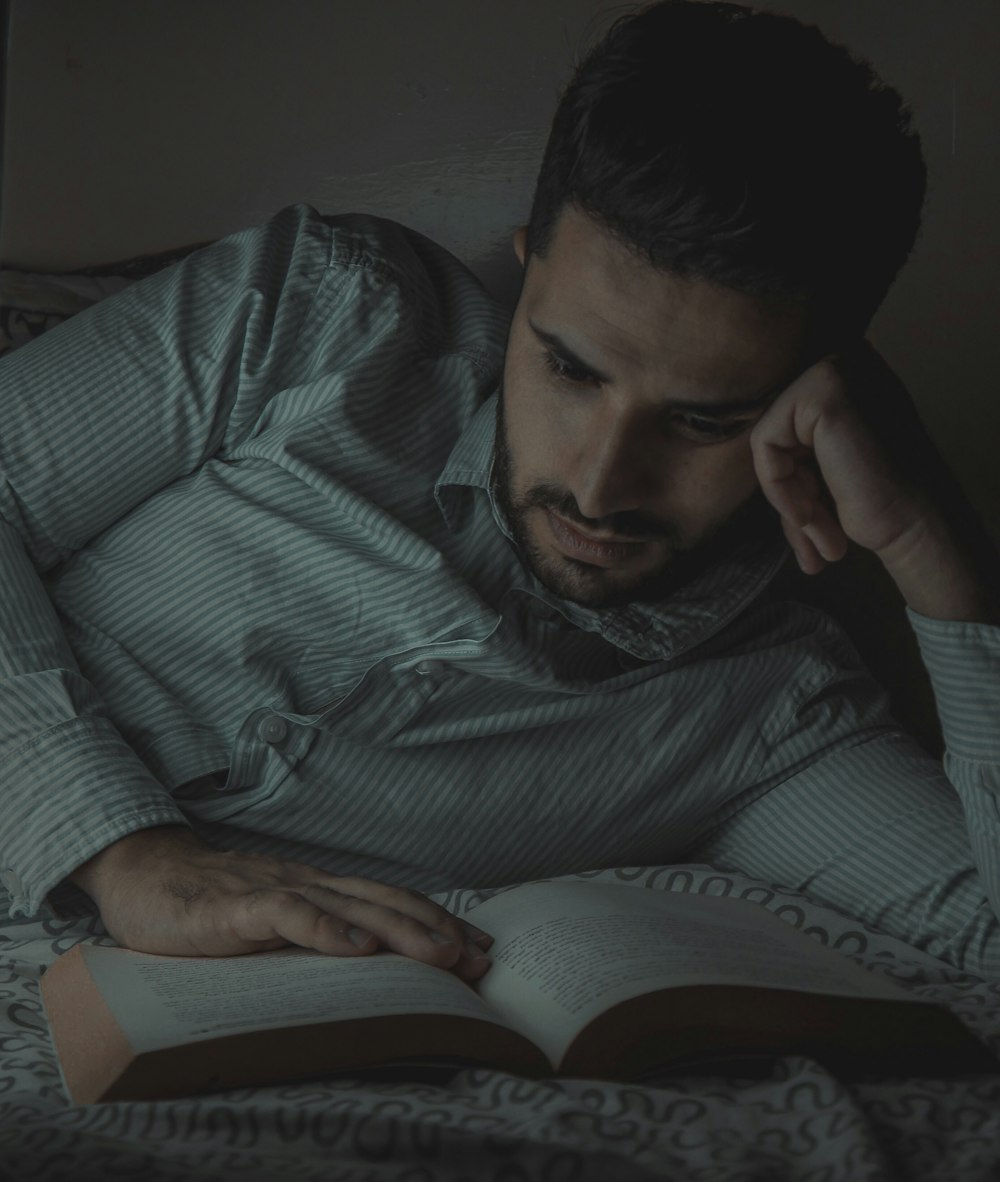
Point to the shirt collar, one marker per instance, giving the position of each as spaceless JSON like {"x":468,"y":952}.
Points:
{"x":470,"y":464}
{"x":647,"y":631}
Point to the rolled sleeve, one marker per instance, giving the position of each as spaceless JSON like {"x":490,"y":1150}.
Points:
{"x":963,"y":662}
{"x":855,"y":814}
{"x":95,"y":418}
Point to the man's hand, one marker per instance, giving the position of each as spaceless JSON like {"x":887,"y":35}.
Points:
{"x":163,"y":890}
{"x":822,"y":470}
{"x":833,"y":482}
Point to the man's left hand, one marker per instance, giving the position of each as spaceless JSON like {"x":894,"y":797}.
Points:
{"x":832,"y":483}
{"x":823,"y":471}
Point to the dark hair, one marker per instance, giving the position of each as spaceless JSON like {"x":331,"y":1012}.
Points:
{"x":739,"y":146}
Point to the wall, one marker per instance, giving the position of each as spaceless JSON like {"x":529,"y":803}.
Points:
{"x":133,"y":127}
{"x":140,"y":126}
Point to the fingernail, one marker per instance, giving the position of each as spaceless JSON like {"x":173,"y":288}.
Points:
{"x":483,"y":939}
{"x":441,"y":938}
{"x":358,"y":937}
{"x":474,"y":952}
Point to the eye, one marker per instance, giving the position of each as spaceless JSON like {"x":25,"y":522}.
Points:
{"x":564,"y":370}
{"x":710,"y":430}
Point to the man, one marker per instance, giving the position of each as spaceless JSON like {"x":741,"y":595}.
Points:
{"x":306,"y":615}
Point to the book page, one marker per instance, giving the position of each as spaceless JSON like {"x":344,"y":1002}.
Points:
{"x":565,"y":952}
{"x":163,"y":1001}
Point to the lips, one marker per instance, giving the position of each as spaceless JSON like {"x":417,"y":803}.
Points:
{"x":586,"y":548}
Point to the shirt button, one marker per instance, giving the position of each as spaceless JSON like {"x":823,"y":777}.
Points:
{"x":272,"y":729}
{"x":427,"y":668}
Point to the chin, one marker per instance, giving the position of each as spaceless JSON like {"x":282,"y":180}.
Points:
{"x":593,"y":586}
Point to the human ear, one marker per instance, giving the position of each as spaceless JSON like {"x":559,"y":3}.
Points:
{"x":520,"y":243}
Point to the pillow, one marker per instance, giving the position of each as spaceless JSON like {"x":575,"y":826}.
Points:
{"x":31,"y":302}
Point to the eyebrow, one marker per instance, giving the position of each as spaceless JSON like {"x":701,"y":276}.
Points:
{"x":733,"y":406}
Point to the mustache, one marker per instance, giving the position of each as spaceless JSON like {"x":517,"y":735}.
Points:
{"x":629,"y":525}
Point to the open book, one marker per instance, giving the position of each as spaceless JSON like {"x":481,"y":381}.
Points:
{"x":588,"y":979}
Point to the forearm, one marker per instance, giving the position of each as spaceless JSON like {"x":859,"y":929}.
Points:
{"x":875,"y":826}
{"x":95,"y":421}
{"x":165,"y":891}
{"x":71,"y":784}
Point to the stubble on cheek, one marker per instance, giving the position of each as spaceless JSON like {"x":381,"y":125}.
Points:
{"x":581,"y":582}
{"x":674,"y":560}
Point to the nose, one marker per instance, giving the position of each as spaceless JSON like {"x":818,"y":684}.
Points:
{"x":613,"y":468}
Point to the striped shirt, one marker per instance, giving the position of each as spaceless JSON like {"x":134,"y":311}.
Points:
{"x":256,"y":581}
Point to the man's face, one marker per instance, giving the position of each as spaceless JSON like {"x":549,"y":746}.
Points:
{"x":623,"y":429}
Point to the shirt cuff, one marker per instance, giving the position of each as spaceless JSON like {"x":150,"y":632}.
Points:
{"x":68,"y":794}
{"x":963,"y":662}
{"x":30,"y":891}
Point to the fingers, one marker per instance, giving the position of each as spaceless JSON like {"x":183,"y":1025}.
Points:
{"x":810,"y":561}
{"x":208,"y":902}
{"x":816,"y":540}
{"x":374,"y":915}
{"x":400,"y":921}
{"x":408,"y":902}
{"x":788,"y":469}
{"x":439,"y":922}
{"x":795,"y":490}
{"x":266,"y":917}
{"x":788,"y":481}
{"x":826,"y":474}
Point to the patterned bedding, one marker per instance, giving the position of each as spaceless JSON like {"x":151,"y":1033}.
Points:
{"x":775,"y":1119}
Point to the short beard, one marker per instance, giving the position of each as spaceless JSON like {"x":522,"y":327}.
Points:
{"x":752,"y":520}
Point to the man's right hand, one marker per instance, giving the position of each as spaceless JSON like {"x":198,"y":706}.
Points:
{"x":163,"y":890}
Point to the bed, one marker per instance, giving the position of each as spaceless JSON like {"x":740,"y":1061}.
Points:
{"x":777,"y":1118}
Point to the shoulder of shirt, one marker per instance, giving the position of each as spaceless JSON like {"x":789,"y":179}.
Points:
{"x":447,"y":300}
{"x":380,"y":263}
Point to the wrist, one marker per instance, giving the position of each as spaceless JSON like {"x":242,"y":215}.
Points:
{"x":105,"y":867}
{"x":936,"y":575}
